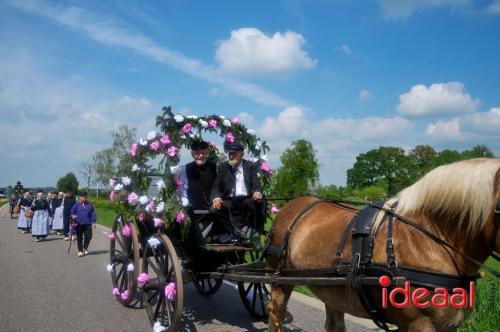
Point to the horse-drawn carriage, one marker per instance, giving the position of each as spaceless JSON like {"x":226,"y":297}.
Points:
{"x":435,"y":234}
{"x":155,"y":248}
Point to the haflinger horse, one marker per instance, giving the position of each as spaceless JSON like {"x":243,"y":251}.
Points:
{"x":455,"y":202}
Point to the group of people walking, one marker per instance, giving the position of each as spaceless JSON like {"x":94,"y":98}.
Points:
{"x":59,"y":212}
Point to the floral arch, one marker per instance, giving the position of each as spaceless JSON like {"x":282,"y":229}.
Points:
{"x":176,"y":132}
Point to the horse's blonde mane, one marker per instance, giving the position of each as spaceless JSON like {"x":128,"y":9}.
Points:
{"x":455,"y":195}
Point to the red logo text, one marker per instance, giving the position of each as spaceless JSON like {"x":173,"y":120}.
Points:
{"x":422,"y":297}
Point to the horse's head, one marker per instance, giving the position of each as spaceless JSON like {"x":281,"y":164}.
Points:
{"x":460,"y":199}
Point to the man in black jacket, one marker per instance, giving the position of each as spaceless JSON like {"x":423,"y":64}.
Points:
{"x":237,"y":187}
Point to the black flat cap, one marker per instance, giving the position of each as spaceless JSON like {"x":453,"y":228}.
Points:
{"x":233,"y":147}
{"x":199,"y":145}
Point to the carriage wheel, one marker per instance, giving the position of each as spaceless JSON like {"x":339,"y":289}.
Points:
{"x":205,"y":284}
{"x":255,"y":296}
{"x":164,"y":272}
{"x":124,"y":255}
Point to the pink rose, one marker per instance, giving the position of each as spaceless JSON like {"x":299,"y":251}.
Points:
{"x":265,"y":168}
{"x":170,"y":291}
{"x":112,"y":236}
{"x":154,"y":146}
{"x":126,"y":230}
{"x":187,"y":128}
{"x":165,"y":140}
{"x":133,"y":150}
{"x":235,"y":120}
{"x":274,"y":209}
{"x":132,"y":198}
{"x":150,"y":207}
{"x":142,"y":217}
{"x":212,"y":123}
{"x":172,"y":151}
{"x":179,"y":217}
{"x":116,"y":292}
{"x":112,"y":195}
{"x":178,"y":182}
{"x":143,"y":279}
{"x":158,"y":222}
{"x":230,"y":137}
{"x":124,"y":295}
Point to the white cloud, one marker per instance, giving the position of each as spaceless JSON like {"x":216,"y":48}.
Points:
{"x":250,"y":51}
{"x":344,"y":48}
{"x":337,"y":140}
{"x":127,"y":103}
{"x":106,"y":30}
{"x":494,"y":7}
{"x":444,"y":129}
{"x":57,"y":121}
{"x":483,"y":121}
{"x":365,"y":94}
{"x":438,"y":98}
{"x":400,"y":9}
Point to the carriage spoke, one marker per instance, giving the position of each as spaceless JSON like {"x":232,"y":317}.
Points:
{"x":154,"y":293}
{"x":262,"y":306}
{"x":248,"y":289}
{"x":254,"y":297}
{"x":158,"y":306}
{"x":120,"y":273}
{"x":151,"y":264}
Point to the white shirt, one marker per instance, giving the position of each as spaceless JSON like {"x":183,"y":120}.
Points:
{"x":241,"y":188}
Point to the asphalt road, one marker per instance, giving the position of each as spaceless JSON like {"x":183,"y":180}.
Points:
{"x":45,"y":289}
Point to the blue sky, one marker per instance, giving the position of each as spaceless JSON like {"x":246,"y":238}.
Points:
{"x":348,"y":75}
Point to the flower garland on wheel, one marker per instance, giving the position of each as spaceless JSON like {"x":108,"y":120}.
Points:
{"x":176,"y":132}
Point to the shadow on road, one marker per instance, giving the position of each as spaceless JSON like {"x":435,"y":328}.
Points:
{"x":98,"y":252}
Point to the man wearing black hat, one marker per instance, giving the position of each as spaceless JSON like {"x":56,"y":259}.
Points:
{"x":197,"y":178}
{"x":237,"y":187}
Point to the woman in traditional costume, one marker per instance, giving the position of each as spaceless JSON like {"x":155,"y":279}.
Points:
{"x":49,"y":200}
{"x":57,"y":211}
{"x":23,"y":222}
{"x":41,"y":216}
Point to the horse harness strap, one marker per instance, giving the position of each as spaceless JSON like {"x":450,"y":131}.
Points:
{"x":496,"y":226}
{"x":361,"y":228}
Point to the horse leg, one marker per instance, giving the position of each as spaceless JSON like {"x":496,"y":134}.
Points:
{"x":334,"y":320}
{"x":277,"y":306}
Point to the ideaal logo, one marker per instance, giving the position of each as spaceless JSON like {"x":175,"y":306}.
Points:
{"x":440,"y":297}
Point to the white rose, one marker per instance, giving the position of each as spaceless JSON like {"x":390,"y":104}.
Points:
{"x":151,"y":135}
{"x":130,"y":267}
{"x":160,"y":184}
{"x":264,"y":157}
{"x":203,"y":123}
{"x":184,"y":201}
{"x":143,"y":142}
{"x":109,"y":267}
{"x":251,"y":131}
{"x":258,"y":145}
{"x":153,"y":242}
{"x":143,"y":199}
{"x":222,"y":117}
{"x":118,"y":187}
{"x":194,"y":117}
{"x":126,"y":180}
{"x":178,"y":118}
{"x":160,"y":207}
{"x":135,"y":168}
{"x":226,"y":123}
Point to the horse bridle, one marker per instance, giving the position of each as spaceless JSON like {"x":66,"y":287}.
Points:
{"x":496,"y":226}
